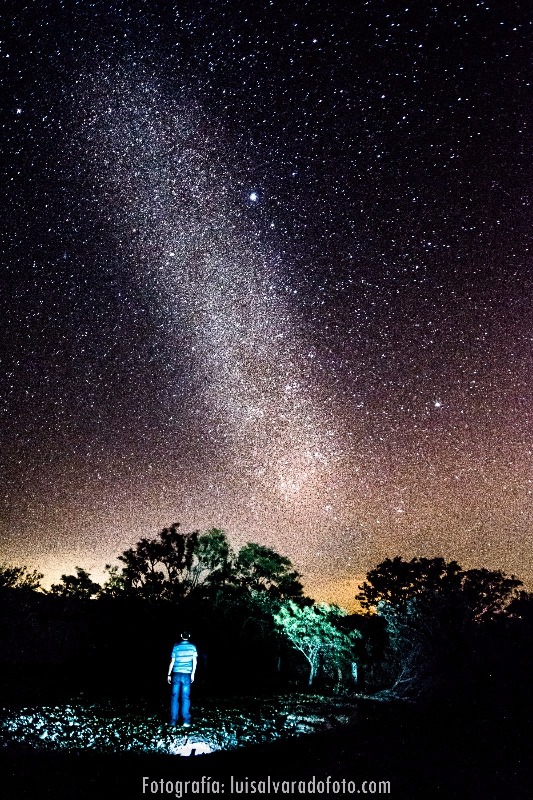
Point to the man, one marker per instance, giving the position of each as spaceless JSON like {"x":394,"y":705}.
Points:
{"x":180,"y":675}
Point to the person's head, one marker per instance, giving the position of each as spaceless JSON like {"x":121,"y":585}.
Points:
{"x":185,"y":636}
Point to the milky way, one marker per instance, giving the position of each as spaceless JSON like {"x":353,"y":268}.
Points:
{"x":267,"y":268}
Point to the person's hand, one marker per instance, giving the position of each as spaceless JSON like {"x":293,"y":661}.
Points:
{"x":192,"y":678}
{"x":169,"y":679}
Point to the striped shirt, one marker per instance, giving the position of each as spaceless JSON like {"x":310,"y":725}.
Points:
{"x":183,"y":655}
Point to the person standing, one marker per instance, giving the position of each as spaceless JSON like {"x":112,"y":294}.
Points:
{"x":180,"y":675}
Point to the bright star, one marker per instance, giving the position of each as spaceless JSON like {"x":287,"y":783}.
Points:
{"x":254,"y":197}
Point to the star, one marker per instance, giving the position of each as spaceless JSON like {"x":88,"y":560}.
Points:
{"x":267,"y":359}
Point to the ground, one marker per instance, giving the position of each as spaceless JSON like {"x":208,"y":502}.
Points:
{"x":97,"y":751}
{"x":218,"y":724}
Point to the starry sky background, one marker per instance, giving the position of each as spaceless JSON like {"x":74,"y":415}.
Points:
{"x":266,"y":267}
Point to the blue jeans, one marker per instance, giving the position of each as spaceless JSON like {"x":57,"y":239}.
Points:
{"x":181,"y":691}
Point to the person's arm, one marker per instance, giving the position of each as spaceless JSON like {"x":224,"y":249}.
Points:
{"x":194,"y":660}
{"x":170,"y":667}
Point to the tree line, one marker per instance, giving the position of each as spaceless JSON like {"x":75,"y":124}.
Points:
{"x":427,"y":627}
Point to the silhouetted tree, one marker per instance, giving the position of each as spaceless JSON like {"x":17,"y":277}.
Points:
{"x":433,"y":611}
{"x":480,"y":592}
{"x":396,"y":581}
{"x":79,"y":586}
{"x":176,"y":564}
{"x":262,"y":569}
{"x":487,"y":593}
{"x":116,"y":584}
{"x":158,"y":568}
{"x":212,"y":564}
{"x":19,"y":578}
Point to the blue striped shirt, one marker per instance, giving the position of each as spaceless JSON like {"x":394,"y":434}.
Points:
{"x":183,"y":655}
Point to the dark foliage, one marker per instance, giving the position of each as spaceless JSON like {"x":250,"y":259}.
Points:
{"x":445,"y":628}
{"x":95,"y":640}
{"x":19,"y":578}
{"x":396,"y":582}
{"x":176,"y":564}
{"x":80,"y":586}
{"x":440,"y":632}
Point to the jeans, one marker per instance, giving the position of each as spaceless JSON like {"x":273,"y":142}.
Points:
{"x":181,"y":691}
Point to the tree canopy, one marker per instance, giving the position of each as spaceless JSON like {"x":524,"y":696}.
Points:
{"x":171,"y":565}
{"x":435,"y":613}
{"x":262,"y":569}
{"x":396,"y":582}
{"x":175,"y":564}
{"x":19,"y":578}
{"x":79,"y":586}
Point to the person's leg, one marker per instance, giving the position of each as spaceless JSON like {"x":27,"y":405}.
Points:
{"x":186,"y":698}
{"x":174,"y":699}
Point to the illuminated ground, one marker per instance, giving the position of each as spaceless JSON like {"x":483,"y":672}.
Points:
{"x":217,"y":725}
{"x":92,"y":752}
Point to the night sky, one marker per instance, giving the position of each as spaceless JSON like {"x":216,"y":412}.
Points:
{"x":266,"y":268}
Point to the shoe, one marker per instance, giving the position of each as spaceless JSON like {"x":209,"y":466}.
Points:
{"x":186,"y":724}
